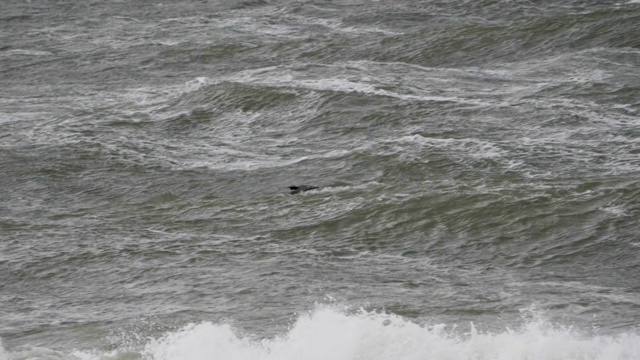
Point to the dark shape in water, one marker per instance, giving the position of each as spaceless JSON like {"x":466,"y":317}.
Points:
{"x":301,"y":188}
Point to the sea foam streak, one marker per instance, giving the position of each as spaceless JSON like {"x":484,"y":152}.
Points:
{"x":327,"y":333}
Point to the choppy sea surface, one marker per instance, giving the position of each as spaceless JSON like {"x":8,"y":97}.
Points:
{"x":478,"y":165}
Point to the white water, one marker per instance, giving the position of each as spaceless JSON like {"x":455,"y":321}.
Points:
{"x":330,"y":333}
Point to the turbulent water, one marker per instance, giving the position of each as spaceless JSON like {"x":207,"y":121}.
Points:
{"x":478,"y":165}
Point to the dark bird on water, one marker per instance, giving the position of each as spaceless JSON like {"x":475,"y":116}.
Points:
{"x":301,"y":188}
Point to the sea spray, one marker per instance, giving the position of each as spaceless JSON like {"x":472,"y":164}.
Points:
{"x":3,"y":354}
{"x":337,"y":334}
{"x":327,"y":333}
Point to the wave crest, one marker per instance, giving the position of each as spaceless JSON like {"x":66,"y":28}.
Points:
{"x":328,"y":333}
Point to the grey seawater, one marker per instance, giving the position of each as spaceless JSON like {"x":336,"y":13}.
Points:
{"x":479,"y":164}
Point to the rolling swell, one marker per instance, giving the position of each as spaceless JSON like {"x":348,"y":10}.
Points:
{"x":480,"y":43}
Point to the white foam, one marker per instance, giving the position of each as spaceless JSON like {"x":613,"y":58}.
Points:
{"x":618,"y":211}
{"x":476,"y":148}
{"x":288,"y":77}
{"x":338,"y":26}
{"x":331,"y":334}
{"x":3,"y":353}
{"x":27,"y":52}
{"x":229,"y":158}
{"x":336,"y":334}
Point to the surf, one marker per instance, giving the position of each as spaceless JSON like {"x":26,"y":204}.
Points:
{"x":330,"y":332}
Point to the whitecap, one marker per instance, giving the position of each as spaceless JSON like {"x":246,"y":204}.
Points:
{"x":332,"y":333}
{"x":27,"y":52}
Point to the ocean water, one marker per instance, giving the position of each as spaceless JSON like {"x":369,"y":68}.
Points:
{"x":478,"y":165}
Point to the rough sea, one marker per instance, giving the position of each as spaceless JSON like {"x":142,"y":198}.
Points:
{"x":478,"y":165}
